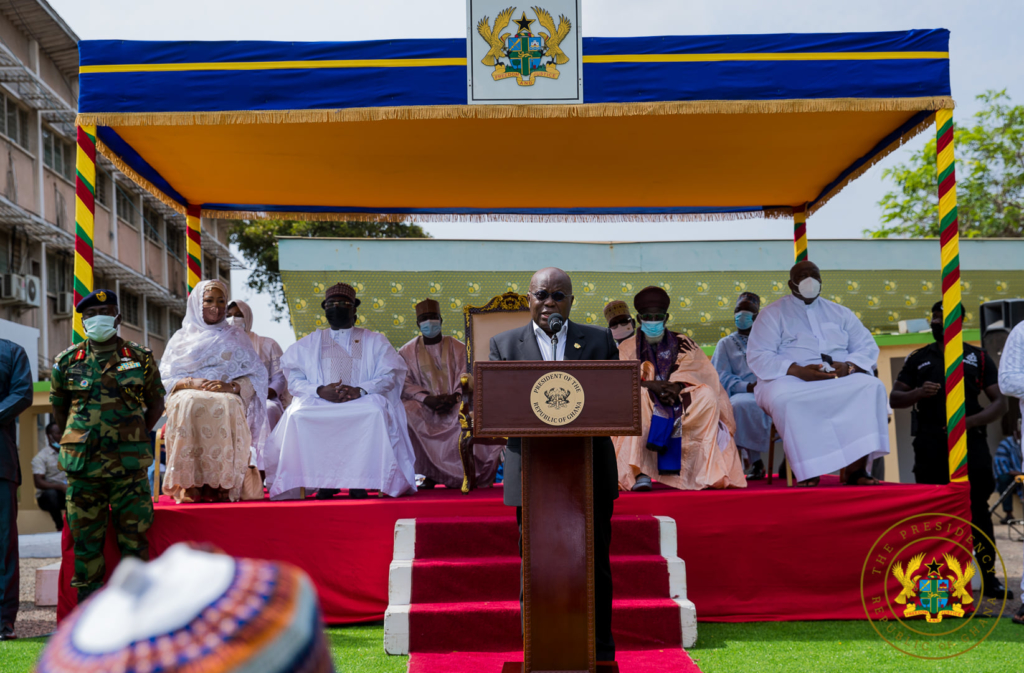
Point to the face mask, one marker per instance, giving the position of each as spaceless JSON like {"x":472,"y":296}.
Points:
{"x":809,"y":288}
{"x":235,"y":321}
{"x":744,"y":319}
{"x":339,"y":317}
{"x":623,"y":331}
{"x":213,"y":314}
{"x":430,"y":328}
{"x":55,"y":445}
{"x":100,"y":327}
{"x":652,"y":328}
{"x":937,"y":331}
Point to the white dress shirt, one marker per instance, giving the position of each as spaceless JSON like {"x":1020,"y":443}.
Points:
{"x":544,"y":342}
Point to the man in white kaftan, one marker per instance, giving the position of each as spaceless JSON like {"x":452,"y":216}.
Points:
{"x":813,"y":359}
{"x":346,"y":426}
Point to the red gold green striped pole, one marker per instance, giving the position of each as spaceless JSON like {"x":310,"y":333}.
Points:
{"x":192,"y":247}
{"x":952,"y":311}
{"x":800,"y":233}
{"x":85,"y":210}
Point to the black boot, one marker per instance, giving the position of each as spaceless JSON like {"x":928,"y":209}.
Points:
{"x":326,"y":493}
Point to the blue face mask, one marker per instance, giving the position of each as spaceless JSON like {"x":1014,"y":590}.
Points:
{"x":744,"y":319}
{"x":652,"y":328}
{"x":430,"y":328}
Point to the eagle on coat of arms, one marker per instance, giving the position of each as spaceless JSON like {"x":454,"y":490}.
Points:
{"x":528,"y":55}
{"x":933,"y":594}
{"x":557,"y":397}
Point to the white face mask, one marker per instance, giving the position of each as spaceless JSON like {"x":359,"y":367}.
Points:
{"x":235,"y":321}
{"x":809,"y":288}
{"x":623,"y":331}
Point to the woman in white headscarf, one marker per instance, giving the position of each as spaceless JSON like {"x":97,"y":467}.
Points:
{"x":240,"y":315}
{"x":216,"y":385}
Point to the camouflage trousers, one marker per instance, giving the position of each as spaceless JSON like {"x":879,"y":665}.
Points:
{"x":91,"y":502}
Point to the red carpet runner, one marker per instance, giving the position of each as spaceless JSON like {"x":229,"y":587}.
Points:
{"x":756,"y":554}
{"x":465,"y":587}
{"x":639,"y":661}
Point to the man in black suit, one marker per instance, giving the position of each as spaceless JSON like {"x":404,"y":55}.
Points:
{"x":551,"y":293}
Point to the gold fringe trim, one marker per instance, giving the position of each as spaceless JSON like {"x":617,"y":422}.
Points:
{"x":892,"y":147}
{"x":120,"y":165}
{"x":768,"y":213}
{"x":421,"y":112}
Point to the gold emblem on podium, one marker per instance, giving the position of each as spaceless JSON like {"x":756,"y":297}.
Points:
{"x":557,"y":398}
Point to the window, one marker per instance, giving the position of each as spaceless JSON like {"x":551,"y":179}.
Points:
{"x":58,"y":154}
{"x":102,"y":189}
{"x":130,"y":309}
{"x":152,"y":223}
{"x":126,"y":209}
{"x":175,"y":241}
{"x":209,"y":267}
{"x":174,"y":325}
{"x":15,"y":121}
{"x":155,"y":319}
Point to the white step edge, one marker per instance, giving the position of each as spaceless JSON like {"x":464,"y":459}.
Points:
{"x":47,"y":585}
{"x":400,"y":583}
{"x":396,"y":629}
{"x":677,"y":580}
{"x":396,"y":617}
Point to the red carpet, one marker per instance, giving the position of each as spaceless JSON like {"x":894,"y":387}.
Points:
{"x":642,"y":661}
{"x":465,"y":586}
{"x":756,"y":554}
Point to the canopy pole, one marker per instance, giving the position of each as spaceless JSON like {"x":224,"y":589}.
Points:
{"x":800,"y":233}
{"x":85,"y":217}
{"x":952,"y":311}
{"x":193,"y":249}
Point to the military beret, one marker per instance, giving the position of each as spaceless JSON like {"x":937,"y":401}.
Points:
{"x":651,"y":297}
{"x":97,"y":298}
{"x":340,"y":290}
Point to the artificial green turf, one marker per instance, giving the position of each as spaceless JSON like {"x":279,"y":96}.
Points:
{"x":764,"y":647}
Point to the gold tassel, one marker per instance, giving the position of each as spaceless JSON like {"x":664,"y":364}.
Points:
{"x":120,"y":165}
{"x":419,"y":112}
{"x":768,"y":213}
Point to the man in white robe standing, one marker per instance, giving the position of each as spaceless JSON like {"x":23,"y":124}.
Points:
{"x":346,"y":426}
{"x":813,"y":359}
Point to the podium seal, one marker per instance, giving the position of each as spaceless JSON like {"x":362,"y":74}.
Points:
{"x":557,"y":398}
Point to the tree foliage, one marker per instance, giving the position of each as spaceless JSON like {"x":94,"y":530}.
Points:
{"x":257,"y":241}
{"x":989,"y":174}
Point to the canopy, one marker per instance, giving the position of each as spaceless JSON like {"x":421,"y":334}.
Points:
{"x":672,"y":128}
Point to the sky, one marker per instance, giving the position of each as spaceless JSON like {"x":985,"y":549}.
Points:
{"x":986,"y":50}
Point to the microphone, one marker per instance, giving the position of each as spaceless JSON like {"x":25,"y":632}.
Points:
{"x":555,"y":322}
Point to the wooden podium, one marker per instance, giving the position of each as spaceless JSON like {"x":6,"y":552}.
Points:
{"x":556,"y":408}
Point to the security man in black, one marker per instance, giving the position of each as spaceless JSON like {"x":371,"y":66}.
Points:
{"x":921,"y":384}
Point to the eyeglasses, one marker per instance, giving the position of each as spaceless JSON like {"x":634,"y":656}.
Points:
{"x":542,"y":295}
{"x":335,"y":303}
{"x":653,"y":317}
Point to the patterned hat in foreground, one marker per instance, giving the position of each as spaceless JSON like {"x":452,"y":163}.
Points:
{"x":194,"y":611}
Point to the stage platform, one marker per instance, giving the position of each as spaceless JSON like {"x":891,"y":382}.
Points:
{"x":764,"y":553}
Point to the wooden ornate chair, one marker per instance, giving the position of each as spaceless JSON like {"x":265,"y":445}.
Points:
{"x":501,"y":313}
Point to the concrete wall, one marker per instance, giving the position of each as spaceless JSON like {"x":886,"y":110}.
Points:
{"x":103,"y":239}
{"x":155,"y":261}
{"x":15,"y":40}
{"x":52,"y":184}
{"x":24,"y":174}
{"x":129,"y":246}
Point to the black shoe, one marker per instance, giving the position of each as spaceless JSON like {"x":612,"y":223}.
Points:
{"x":756,"y":471}
{"x":326,"y":493}
{"x":994,"y":589}
{"x":428,"y":483}
{"x":7,"y":632}
{"x":357,"y":493}
{"x":1006,"y":519}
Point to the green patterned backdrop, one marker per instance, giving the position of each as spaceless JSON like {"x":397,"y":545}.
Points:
{"x":702,"y":303}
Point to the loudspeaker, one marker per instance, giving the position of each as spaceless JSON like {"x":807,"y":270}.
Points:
{"x":997,"y":319}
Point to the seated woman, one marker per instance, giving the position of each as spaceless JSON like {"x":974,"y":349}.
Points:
{"x":240,"y":315}
{"x":216,"y":414}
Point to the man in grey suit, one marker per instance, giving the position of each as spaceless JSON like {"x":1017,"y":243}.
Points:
{"x":550,"y":293}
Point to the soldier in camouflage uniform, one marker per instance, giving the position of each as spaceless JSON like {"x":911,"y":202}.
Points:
{"x":107,"y":395}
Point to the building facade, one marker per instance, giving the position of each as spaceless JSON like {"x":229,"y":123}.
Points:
{"x":139,"y":242}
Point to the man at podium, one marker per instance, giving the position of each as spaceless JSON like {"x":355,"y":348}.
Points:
{"x":551,"y":336}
